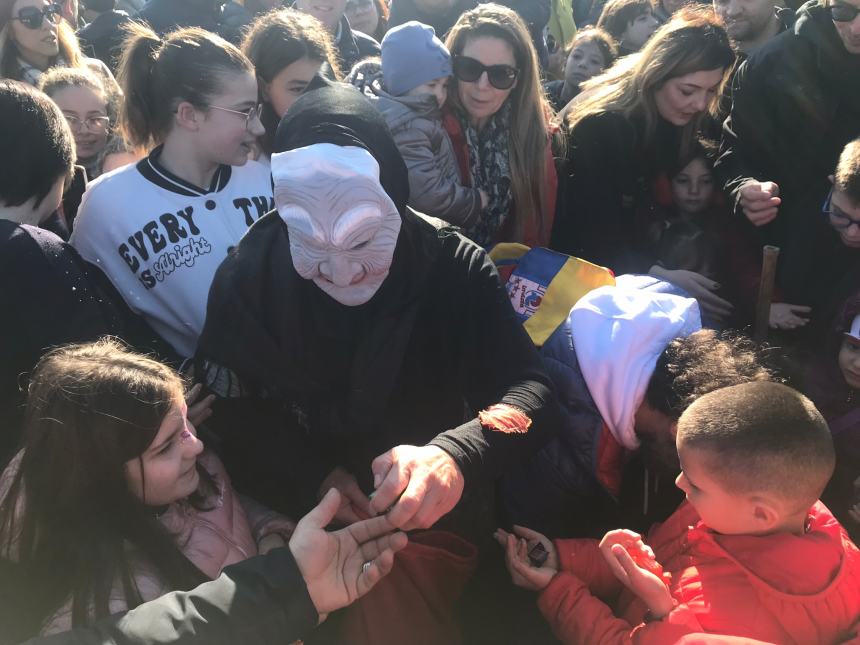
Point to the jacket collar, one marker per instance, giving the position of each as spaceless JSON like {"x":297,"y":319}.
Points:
{"x":151,"y":169}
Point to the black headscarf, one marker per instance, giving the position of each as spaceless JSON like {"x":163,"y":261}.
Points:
{"x":281,"y":333}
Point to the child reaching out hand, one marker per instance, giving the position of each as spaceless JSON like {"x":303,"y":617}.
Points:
{"x":751,"y":553}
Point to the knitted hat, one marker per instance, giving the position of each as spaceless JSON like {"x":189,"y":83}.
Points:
{"x":411,"y":56}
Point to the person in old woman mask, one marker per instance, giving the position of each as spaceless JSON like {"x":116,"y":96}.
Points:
{"x":375,"y":353}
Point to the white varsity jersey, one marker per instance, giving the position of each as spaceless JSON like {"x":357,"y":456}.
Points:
{"x":160,"y":239}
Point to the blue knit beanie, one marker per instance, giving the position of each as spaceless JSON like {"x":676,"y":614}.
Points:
{"x":412,"y":56}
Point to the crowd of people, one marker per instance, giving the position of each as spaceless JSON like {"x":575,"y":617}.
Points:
{"x":270,"y":372}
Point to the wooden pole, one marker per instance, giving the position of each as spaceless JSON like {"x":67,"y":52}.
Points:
{"x":770,"y":255}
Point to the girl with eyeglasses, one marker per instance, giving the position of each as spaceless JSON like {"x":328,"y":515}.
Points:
{"x":35,"y":38}
{"x":499,"y":122}
{"x":90,"y":107}
{"x":160,"y":228}
{"x":627,"y":129}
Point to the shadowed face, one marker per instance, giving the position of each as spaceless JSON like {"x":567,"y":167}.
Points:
{"x":343,"y":226}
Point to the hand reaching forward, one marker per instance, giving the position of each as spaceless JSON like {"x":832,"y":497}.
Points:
{"x":332,"y":564}
{"x":523,"y":573}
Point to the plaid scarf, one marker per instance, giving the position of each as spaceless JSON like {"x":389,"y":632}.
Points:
{"x":489,"y":167}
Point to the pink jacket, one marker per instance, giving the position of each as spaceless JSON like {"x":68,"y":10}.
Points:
{"x":779,"y":589}
{"x":210,"y":539}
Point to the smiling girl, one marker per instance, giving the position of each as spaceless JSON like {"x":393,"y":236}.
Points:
{"x":112,"y":500}
{"x":160,"y":228}
{"x":626,"y":130}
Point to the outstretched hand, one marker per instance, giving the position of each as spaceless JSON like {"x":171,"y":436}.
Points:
{"x":616,"y":547}
{"x":332,"y":563}
{"x":523,"y":573}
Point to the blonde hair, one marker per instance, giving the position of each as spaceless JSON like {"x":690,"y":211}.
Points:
{"x":70,"y":51}
{"x":693,"y":40}
{"x":530,"y":112}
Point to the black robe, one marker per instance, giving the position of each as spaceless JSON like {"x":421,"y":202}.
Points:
{"x":337,"y":385}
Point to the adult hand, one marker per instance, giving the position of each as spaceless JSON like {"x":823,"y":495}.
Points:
{"x":419,"y":484}
{"x":786,"y":316}
{"x":760,"y":201}
{"x":354,"y":504}
{"x":201,"y":410}
{"x":332,"y":564}
{"x":531,"y":537}
{"x":523,"y":574}
{"x":700,"y":288}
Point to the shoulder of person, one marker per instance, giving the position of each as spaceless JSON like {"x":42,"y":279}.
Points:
{"x":24,"y":244}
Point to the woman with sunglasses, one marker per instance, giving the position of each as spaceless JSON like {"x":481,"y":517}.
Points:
{"x":34,"y":38}
{"x":160,"y":228}
{"x":627,"y":131}
{"x":499,"y":123}
{"x":795,"y":106}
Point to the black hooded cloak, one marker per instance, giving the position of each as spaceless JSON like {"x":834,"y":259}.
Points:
{"x":337,"y":386}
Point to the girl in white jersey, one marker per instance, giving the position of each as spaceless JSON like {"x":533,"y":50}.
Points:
{"x":160,"y":228}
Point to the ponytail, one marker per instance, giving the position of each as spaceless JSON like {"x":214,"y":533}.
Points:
{"x":156,"y":75}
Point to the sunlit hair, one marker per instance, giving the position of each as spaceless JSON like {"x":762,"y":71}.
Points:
{"x":60,"y":78}
{"x":617,"y":15}
{"x":605,"y":43}
{"x":530,"y":111}
{"x":278,"y":39}
{"x":69,"y":519}
{"x":694,"y":40}
{"x":846,"y":179}
{"x":70,"y":51}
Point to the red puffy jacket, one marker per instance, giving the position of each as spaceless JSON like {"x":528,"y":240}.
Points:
{"x":780,"y":588}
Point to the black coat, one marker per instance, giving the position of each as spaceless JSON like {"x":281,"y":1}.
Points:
{"x":48,"y":299}
{"x":437,"y":343}
{"x":353,"y":46}
{"x":262,"y":601}
{"x":795,"y":104}
{"x":103,"y":37}
{"x":605,"y":199}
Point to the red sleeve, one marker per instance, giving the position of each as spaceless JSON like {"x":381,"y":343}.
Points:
{"x":578,"y":617}
{"x":583,"y":559}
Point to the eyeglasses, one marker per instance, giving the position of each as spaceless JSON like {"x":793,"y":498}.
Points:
{"x":843,"y":12}
{"x":251,"y":114}
{"x":94,"y":124}
{"x":469,"y":70}
{"x":33,"y":17}
{"x":358,"y":5}
{"x":838,"y":219}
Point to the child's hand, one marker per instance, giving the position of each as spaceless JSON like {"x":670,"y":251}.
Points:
{"x":523,"y":574}
{"x":650,"y":588}
{"x":198,"y":411}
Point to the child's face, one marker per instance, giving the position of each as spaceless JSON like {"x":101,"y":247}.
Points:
{"x":289,"y":84}
{"x":169,"y":463}
{"x":225,"y":135}
{"x":438,"y":87}
{"x":693,"y":187}
{"x":639,"y":30}
{"x":849,"y":361}
{"x":86,"y":112}
{"x":584,"y":62}
{"x":720,"y":510}
{"x":845,"y":219}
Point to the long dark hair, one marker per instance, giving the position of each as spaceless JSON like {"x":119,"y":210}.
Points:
{"x":69,"y":520}
{"x":70,"y":50}
{"x":278,"y":39}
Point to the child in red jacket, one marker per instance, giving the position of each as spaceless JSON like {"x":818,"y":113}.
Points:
{"x":751,"y":553}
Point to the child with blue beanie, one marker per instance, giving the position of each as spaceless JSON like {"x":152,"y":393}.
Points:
{"x":410,"y":94}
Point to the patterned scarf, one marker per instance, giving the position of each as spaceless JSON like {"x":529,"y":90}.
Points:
{"x":490,"y":169}
{"x":32,"y":75}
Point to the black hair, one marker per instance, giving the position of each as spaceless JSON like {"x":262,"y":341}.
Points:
{"x":157,"y":74}
{"x":617,"y":15}
{"x":700,"y":363}
{"x":762,"y":437}
{"x":37,"y":147}
{"x":99,"y":5}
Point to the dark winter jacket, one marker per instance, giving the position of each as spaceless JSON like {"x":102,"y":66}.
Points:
{"x":796,"y":103}
{"x":353,"y":46}
{"x":605,"y":198}
{"x":103,"y":37}
{"x":48,"y":299}
{"x":219,"y":16}
{"x":262,"y":600}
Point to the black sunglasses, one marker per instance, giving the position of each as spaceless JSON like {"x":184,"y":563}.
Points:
{"x":33,"y":17}
{"x":843,"y":12}
{"x":469,"y":70}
